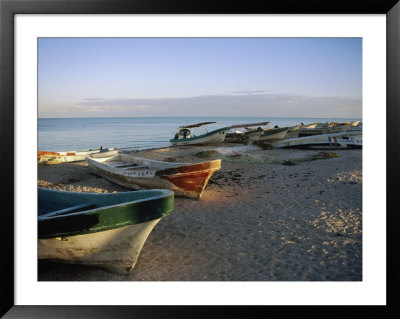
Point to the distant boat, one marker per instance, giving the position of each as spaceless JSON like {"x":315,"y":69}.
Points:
{"x":106,"y":230}
{"x":341,"y":140}
{"x":74,"y":156}
{"x":185,"y":179}
{"x":184,"y":135}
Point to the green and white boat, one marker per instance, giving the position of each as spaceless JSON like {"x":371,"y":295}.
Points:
{"x":185,"y":136}
{"x":107,"y":230}
{"x":272,"y":134}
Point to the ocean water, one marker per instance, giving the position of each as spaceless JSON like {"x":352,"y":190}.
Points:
{"x":137,"y":133}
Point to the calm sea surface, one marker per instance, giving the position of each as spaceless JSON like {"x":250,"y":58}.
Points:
{"x":132,"y":133}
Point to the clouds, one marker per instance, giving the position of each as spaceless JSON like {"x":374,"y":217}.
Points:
{"x":239,"y":104}
{"x":250,"y":92}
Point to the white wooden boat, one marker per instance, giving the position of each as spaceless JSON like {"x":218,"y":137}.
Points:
{"x":185,"y":135}
{"x":105,"y":153}
{"x":351,"y":139}
{"x":106,"y":230}
{"x":271,"y":135}
{"x":185,"y":179}
{"x":48,"y":157}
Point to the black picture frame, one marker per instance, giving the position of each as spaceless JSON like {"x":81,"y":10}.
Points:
{"x":8,"y":8}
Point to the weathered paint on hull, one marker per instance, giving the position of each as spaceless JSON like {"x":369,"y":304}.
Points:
{"x":115,"y":250}
{"x":190,"y":181}
{"x":187,"y":180}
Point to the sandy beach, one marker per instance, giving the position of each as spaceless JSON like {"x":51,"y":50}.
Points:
{"x":267,"y":215}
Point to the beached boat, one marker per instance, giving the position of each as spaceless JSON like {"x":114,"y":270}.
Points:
{"x":271,"y":135}
{"x":351,"y":139}
{"x":75,"y":156}
{"x":185,"y":179}
{"x":237,"y":136}
{"x":293,"y":131}
{"x":294,"y":128}
{"x":323,"y":129}
{"x":312,"y":125}
{"x":185,"y":136}
{"x":106,"y":230}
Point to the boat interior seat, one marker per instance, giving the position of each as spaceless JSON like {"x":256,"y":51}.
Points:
{"x":136,"y":167}
{"x":122,"y":165}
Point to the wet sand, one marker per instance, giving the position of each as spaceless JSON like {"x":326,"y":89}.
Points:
{"x":267,"y":215}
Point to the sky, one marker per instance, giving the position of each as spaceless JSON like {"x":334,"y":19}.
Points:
{"x":156,"y":77}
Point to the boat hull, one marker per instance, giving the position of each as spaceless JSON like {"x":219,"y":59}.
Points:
{"x":185,"y":179}
{"x":104,"y":154}
{"x":115,"y":250}
{"x":214,"y":137}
